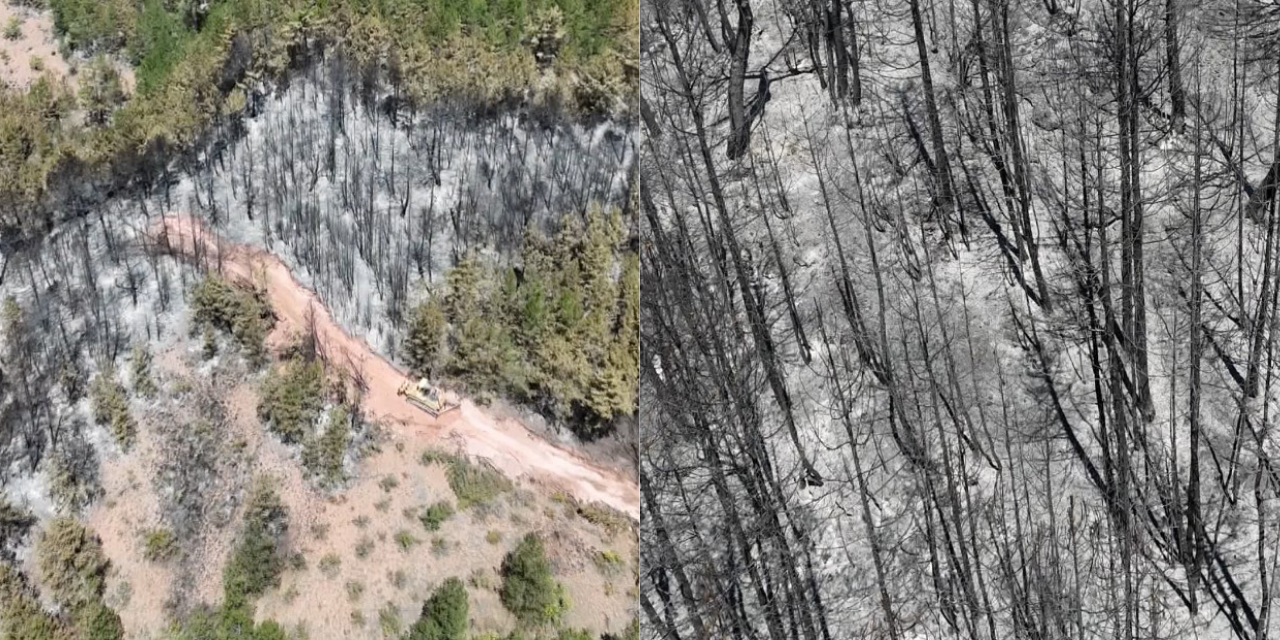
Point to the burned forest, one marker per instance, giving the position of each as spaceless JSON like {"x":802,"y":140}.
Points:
{"x":959,"y":319}
{"x":202,"y":423}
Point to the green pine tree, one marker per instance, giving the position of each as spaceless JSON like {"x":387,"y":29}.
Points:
{"x":528,"y":589}
{"x":425,"y":343}
{"x":100,"y":91}
{"x":143,"y":385}
{"x":444,"y":616}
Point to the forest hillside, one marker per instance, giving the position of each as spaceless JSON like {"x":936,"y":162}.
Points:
{"x":229,"y":233}
{"x":129,"y":84}
{"x":959,"y":319}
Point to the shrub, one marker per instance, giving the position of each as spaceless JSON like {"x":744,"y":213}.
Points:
{"x":444,"y":615}
{"x":13,"y":30}
{"x":406,"y":540}
{"x":436,"y":456}
{"x":97,"y":621}
{"x":14,"y":523}
{"x":228,"y":623}
{"x":258,"y":559}
{"x":364,"y":548}
{"x":270,"y":630}
{"x":479,"y":579}
{"x":21,"y":615}
{"x":439,"y":546}
{"x":323,"y":456}
{"x":528,"y":589}
{"x":111,"y":407}
{"x":160,"y":546}
{"x":611,"y":520}
{"x":73,"y":476}
{"x":72,"y":565}
{"x":143,"y":385}
{"x":330,"y":564}
{"x":355,"y":589}
{"x":71,"y":379}
{"x":389,"y":620}
{"x":237,"y":309}
{"x":436,"y":515}
{"x":610,"y":563}
{"x":474,"y":484}
{"x":291,"y":399}
{"x":210,"y":348}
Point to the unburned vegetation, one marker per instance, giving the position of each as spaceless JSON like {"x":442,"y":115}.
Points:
{"x":559,"y":332}
{"x":235,"y":309}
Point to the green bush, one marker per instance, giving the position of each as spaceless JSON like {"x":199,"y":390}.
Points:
{"x":236,"y":309}
{"x":259,"y":557}
{"x":111,"y":407}
{"x":73,"y":485}
{"x":445,"y":614}
{"x":13,"y":30}
{"x":436,"y":456}
{"x":389,"y":620}
{"x":323,"y":456}
{"x":228,"y":623}
{"x":160,"y":545}
{"x":21,"y":615}
{"x":406,"y":540}
{"x":436,"y":515}
{"x":330,"y":564}
{"x":474,"y":484}
{"x":610,"y":563}
{"x":528,"y":589}
{"x":291,"y":399}
{"x":143,"y":385}
{"x":73,"y":568}
{"x":607,"y":518}
{"x":96,"y":621}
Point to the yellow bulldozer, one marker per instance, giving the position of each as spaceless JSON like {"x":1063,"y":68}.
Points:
{"x":428,"y":397}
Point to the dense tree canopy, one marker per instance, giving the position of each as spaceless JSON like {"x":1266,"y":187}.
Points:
{"x":562,"y":331}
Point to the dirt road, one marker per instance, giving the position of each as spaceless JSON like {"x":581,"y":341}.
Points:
{"x":507,"y":444}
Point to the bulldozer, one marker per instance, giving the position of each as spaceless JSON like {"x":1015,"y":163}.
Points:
{"x":430,"y":398}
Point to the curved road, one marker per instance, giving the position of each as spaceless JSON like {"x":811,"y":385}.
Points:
{"x":511,"y":447}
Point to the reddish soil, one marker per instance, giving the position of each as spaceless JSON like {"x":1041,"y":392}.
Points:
{"x":35,"y":41}
{"x":505,"y":443}
{"x":378,"y":585}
